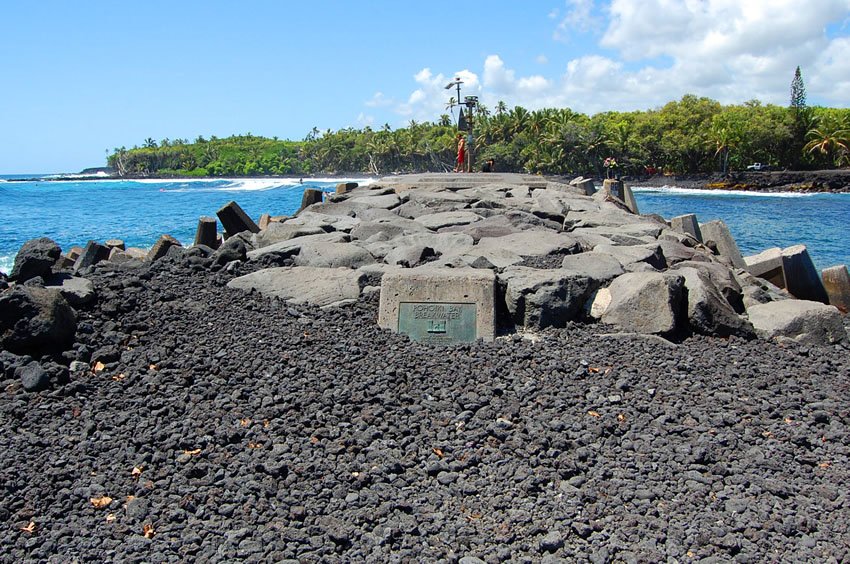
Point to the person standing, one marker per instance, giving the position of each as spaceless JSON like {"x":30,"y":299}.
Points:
{"x":488,"y":166}
{"x":461,"y":153}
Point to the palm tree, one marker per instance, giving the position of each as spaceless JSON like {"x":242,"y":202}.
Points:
{"x":831,"y":139}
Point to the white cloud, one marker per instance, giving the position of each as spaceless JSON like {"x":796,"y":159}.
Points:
{"x":378,"y":100}
{"x":542,"y":59}
{"x":649,"y":52}
{"x":579,"y":17}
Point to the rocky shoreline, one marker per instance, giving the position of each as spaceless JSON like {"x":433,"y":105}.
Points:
{"x":833,"y":181}
{"x":183,"y":418}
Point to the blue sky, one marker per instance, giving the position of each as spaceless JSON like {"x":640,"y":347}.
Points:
{"x":83,"y":77}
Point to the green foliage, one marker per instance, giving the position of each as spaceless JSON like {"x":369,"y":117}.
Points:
{"x":798,"y":91}
{"x":690,"y":135}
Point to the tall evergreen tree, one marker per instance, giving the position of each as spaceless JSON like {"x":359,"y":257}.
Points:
{"x":798,"y":91}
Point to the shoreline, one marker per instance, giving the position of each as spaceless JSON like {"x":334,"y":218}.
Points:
{"x":818,"y":181}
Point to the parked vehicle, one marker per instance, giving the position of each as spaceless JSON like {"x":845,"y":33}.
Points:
{"x":758,"y":166}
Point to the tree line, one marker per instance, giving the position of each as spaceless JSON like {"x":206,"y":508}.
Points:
{"x":691,"y":135}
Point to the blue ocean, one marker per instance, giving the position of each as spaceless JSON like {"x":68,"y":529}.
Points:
{"x":139,"y":211}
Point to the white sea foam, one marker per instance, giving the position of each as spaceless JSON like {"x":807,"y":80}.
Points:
{"x":247,"y":184}
{"x":666,"y":189}
{"x":6,"y":263}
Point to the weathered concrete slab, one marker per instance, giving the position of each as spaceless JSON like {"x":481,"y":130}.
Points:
{"x":438,"y":299}
{"x":718,"y":232}
{"x":801,"y":276}
{"x":836,"y":281}
{"x":327,"y":222}
{"x":161,"y":247}
{"x":687,"y":224}
{"x":386,"y":201}
{"x":767,"y":265}
{"x":207,"y":233}
{"x":803,"y":321}
{"x":92,"y":254}
{"x":311,"y":196}
{"x":235,"y":220}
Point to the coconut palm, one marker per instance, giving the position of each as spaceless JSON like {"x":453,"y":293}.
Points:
{"x":831,"y":139}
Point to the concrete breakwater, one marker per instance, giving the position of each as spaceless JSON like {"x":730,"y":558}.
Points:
{"x":152,"y":406}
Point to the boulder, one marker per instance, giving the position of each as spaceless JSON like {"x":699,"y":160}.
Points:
{"x":36,"y":257}
{"x":161,"y":247}
{"x":755,"y":291}
{"x":92,"y":254}
{"x":836,"y":281}
{"x":326,"y":222}
{"x":803,"y":321}
{"x":675,"y":252}
{"x":290,"y":247}
{"x":333,"y":255}
{"x":77,"y":291}
{"x":719,"y":233}
{"x":445,"y":244}
{"x":549,"y":206}
{"x":393,"y":226}
{"x":447,"y":219}
{"x":235,"y":220}
{"x":801,"y":277}
{"x":34,"y":377}
{"x":537,"y":298}
{"x":35,"y":321}
{"x":531,"y":243}
{"x":277,"y":232}
{"x":409,"y":256}
{"x":496,"y":226}
{"x":650,"y":254}
{"x":722,"y":278}
{"x":598,"y":266}
{"x":232,"y":250}
{"x":385,"y":201}
{"x":708,"y":311}
{"x":647,"y":302}
{"x":301,"y":284}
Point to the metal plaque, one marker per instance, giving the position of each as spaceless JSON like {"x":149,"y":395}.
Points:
{"x":438,"y":323}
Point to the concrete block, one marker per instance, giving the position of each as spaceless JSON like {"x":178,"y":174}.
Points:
{"x":718,"y":232}
{"x":801,"y":277}
{"x":767,"y":265}
{"x":586,"y":185}
{"x":614,"y":188}
{"x":92,"y":254}
{"x":207,"y":233}
{"x":436,"y":305}
{"x":160,"y":248}
{"x":345,"y":187}
{"x":115,"y":244}
{"x":265,"y":219}
{"x":311,"y":196}
{"x":629,"y":198}
{"x":687,"y":224}
{"x":836,"y":280}
{"x":235,"y":220}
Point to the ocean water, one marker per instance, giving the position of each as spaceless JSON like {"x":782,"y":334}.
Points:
{"x":136,"y":211}
{"x":759,"y":221}
{"x":139,"y":211}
